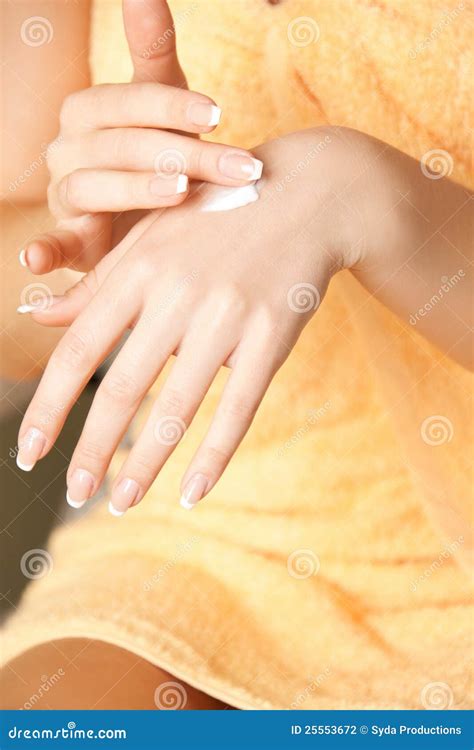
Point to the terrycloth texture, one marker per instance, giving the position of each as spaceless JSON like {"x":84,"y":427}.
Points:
{"x":321,"y":572}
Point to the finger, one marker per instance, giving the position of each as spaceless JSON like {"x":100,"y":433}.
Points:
{"x":177,"y":403}
{"x":136,"y":149}
{"x":240,"y":400}
{"x":117,"y":399}
{"x":95,"y":190}
{"x":146,"y":105}
{"x":93,"y":335}
{"x":77,"y":243}
{"x":151,"y":39}
{"x":63,"y":310}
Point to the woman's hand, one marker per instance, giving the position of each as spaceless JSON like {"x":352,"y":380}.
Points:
{"x":116,"y":150}
{"x":231,"y":288}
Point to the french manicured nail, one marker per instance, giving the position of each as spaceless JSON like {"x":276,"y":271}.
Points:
{"x":80,"y":487}
{"x":240,"y":166}
{"x":42,"y":306}
{"x":23,"y":259}
{"x":124,"y":495}
{"x":194,"y":491}
{"x":166,"y":185}
{"x":203,"y":114}
{"x":30,"y":448}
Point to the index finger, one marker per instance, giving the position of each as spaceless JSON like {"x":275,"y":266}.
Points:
{"x":151,"y":36}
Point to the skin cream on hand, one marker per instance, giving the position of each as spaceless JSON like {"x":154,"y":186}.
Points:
{"x":227,"y":198}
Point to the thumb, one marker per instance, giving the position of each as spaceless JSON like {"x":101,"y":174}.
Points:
{"x":62,"y":310}
{"x":151,"y":36}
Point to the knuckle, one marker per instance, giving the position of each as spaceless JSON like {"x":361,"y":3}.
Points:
{"x":216,"y":458}
{"x":120,"y":388}
{"x":73,"y":350}
{"x":241,"y":409}
{"x":69,"y":105}
{"x":90,"y":451}
{"x":172,"y":402}
{"x":69,"y":189}
{"x":197,"y":160}
{"x":142,"y":466}
{"x":230,"y":303}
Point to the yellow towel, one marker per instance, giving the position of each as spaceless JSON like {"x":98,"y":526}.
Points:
{"x":322,"y":571}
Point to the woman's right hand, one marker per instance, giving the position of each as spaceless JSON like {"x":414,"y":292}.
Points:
{"x":116,"y":150}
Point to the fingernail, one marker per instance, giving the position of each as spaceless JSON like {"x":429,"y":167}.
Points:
{"x":22,"y":258}
{"x":194,"y":491}
{"x":166,"y":186}
{"x":200,"y":113}
{"x":30,"y":448}
{"x":123,"y":496}
{"x":79,"y":488}
{"x":240,"y":166}
{"x":43,"y":305}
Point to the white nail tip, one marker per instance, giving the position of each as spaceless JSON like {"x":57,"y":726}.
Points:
{"x":257,"y":169}
{"x":228,"y":198}
{"x":74,"y":503}
{"x":114,"y":511}
{"x":25,"y":309}
{"x":185,"y":504}
{"x":215,"y":116}
{"x":22,"y":259}
{"x":22,"y":466}
{"x":182,"y":183}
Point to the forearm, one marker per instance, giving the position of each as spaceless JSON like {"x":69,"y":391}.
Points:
{"x":417,"y":250}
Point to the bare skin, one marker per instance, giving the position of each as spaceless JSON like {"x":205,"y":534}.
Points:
{"x":77,"y":673}
{"x":95,"y":680}
{"x":418,"y":231}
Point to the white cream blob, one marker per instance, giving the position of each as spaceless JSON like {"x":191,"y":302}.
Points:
{"x":227,"y":198}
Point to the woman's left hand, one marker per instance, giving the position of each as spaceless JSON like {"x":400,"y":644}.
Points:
{"x":232,"y":288}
